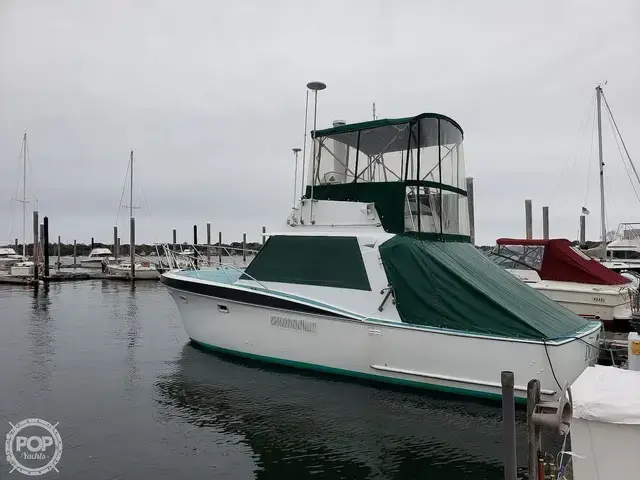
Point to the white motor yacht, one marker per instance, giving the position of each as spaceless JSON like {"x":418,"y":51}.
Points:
{"x":373,"y":276}
{"x":97,"y":257}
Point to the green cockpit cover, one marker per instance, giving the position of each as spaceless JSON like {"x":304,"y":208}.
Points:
{"x":454,"y":286}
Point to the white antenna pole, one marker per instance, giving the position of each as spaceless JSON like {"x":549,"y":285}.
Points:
{"x":24,"y":194}
{"x":304,"y":143}
{"x":603,"y":226}
{"x":315,"y":86}
{"x":295,"y":175}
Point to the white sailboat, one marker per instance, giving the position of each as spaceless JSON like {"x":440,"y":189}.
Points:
{"x":374,"y":276}
{"x":139,"y":270}
{"x":8,"y":256}
{"x":623,"y":253}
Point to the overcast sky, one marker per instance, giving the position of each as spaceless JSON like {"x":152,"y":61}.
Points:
{"x":210,"y":96}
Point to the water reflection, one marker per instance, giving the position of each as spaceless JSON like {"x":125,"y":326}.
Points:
{"x":299,"y":425}
{"x":41,"y":332}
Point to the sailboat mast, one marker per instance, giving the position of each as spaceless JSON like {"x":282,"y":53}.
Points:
{"x":131,"y":186}
{"x":603,"y":227}
{"x":24,"y":195}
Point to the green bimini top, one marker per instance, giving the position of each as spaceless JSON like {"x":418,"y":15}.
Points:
{"x":454,"y":286}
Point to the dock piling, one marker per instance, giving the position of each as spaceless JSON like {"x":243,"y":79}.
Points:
{"x":470,"y":203}
{"x":132,"y":247}
{"x":509,"y":425}
{"x":533,"y":431}
{"x":36,"y":226}
{"x":220,"y":248}
{"x":75,"y":253}
{"x":59,"y":247}
{"x":208,"y":243}
{"x":545,"y":223}
{"x":195,"y":248}
{"x":115,"y":242}
{"x":45,"y":246}
{"x":264,"y":234}
{"x":118,"y":246}
{"x":583,"y":230}
{"x":528,"y":219}
{"x":175,"y":239}
{"x":16,"y":247}
{"x":244,"y":248}
{"x":92,"y":247}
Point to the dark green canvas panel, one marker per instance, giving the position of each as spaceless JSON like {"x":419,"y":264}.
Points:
{"x":305,"y":260}
{"x":383,"y":122}
{"x":454,"y":286}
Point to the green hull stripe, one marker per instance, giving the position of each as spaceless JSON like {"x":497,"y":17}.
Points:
{"x":358,"y":375}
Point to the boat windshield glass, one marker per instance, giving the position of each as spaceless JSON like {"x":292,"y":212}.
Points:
{"x":425,"y":153}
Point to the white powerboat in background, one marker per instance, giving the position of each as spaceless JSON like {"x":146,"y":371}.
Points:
{"x":565,"y":274}
{"x":360,"y":283}
{"x":97,"y":257}
{"x":142,"y":270}
{"x":623,"y":253}
{"x":9,"y":257}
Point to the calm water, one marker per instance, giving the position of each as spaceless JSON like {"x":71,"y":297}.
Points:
{"x":134,"y":399}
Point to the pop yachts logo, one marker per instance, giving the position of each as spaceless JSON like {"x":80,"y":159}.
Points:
{"x":33,"y":447}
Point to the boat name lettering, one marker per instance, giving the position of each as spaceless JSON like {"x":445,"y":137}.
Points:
{"x":598,"y":299}
{"x":306,"y":326}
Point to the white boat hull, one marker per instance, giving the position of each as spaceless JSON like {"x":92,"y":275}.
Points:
{"x":91,"y":263}
{"x":140,"y":273}
{"x":404,"y":354}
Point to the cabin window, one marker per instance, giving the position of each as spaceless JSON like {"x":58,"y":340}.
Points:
{"x":625,"y":254}
{"x":309,"y":260}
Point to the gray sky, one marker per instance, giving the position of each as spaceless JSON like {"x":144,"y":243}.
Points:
{"x":210,"y":95}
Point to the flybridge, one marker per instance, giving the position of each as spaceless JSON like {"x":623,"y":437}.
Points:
{"x":411,"y":168}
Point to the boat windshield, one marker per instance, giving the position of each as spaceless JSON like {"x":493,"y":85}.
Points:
{"x":421,"y":158}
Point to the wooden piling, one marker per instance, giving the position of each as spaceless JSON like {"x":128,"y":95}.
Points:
{"x":545,"y":223}
{"x":36,"y":257}
{"x":220,"y":248}
{"x":75,"y":253}
{"x":244,"y":248}
{"x":45,"y":246}
{"x":528,"y":219}
{"x":16,"y":247}
{"x":59,"y":247}
{"x":471,"y":206}
{"x":208,"y":243}
{"x":118,"y":247}
{"x":92,"y":243}
{"x":115,"y":242}
{"x":264,"y":234}
{"x":583,"y":230}
{"x":509,"y":425}
{"x":175,"y":240}
{"x":533,"y":431}
{"x":132,"y":247}
{"x":195,"y":246}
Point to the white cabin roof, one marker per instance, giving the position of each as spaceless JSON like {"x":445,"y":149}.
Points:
{"x":100,"y":251}
{"x":7,"y":251}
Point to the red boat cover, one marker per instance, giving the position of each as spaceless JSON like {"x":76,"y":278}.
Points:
{"x":563,"y":264}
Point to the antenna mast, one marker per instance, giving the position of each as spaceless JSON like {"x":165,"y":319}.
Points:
{"x":603,"y":227}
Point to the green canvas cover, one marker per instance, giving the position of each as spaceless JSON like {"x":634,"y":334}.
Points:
{"x":454,"y":286}
{"x":308,"y":260}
